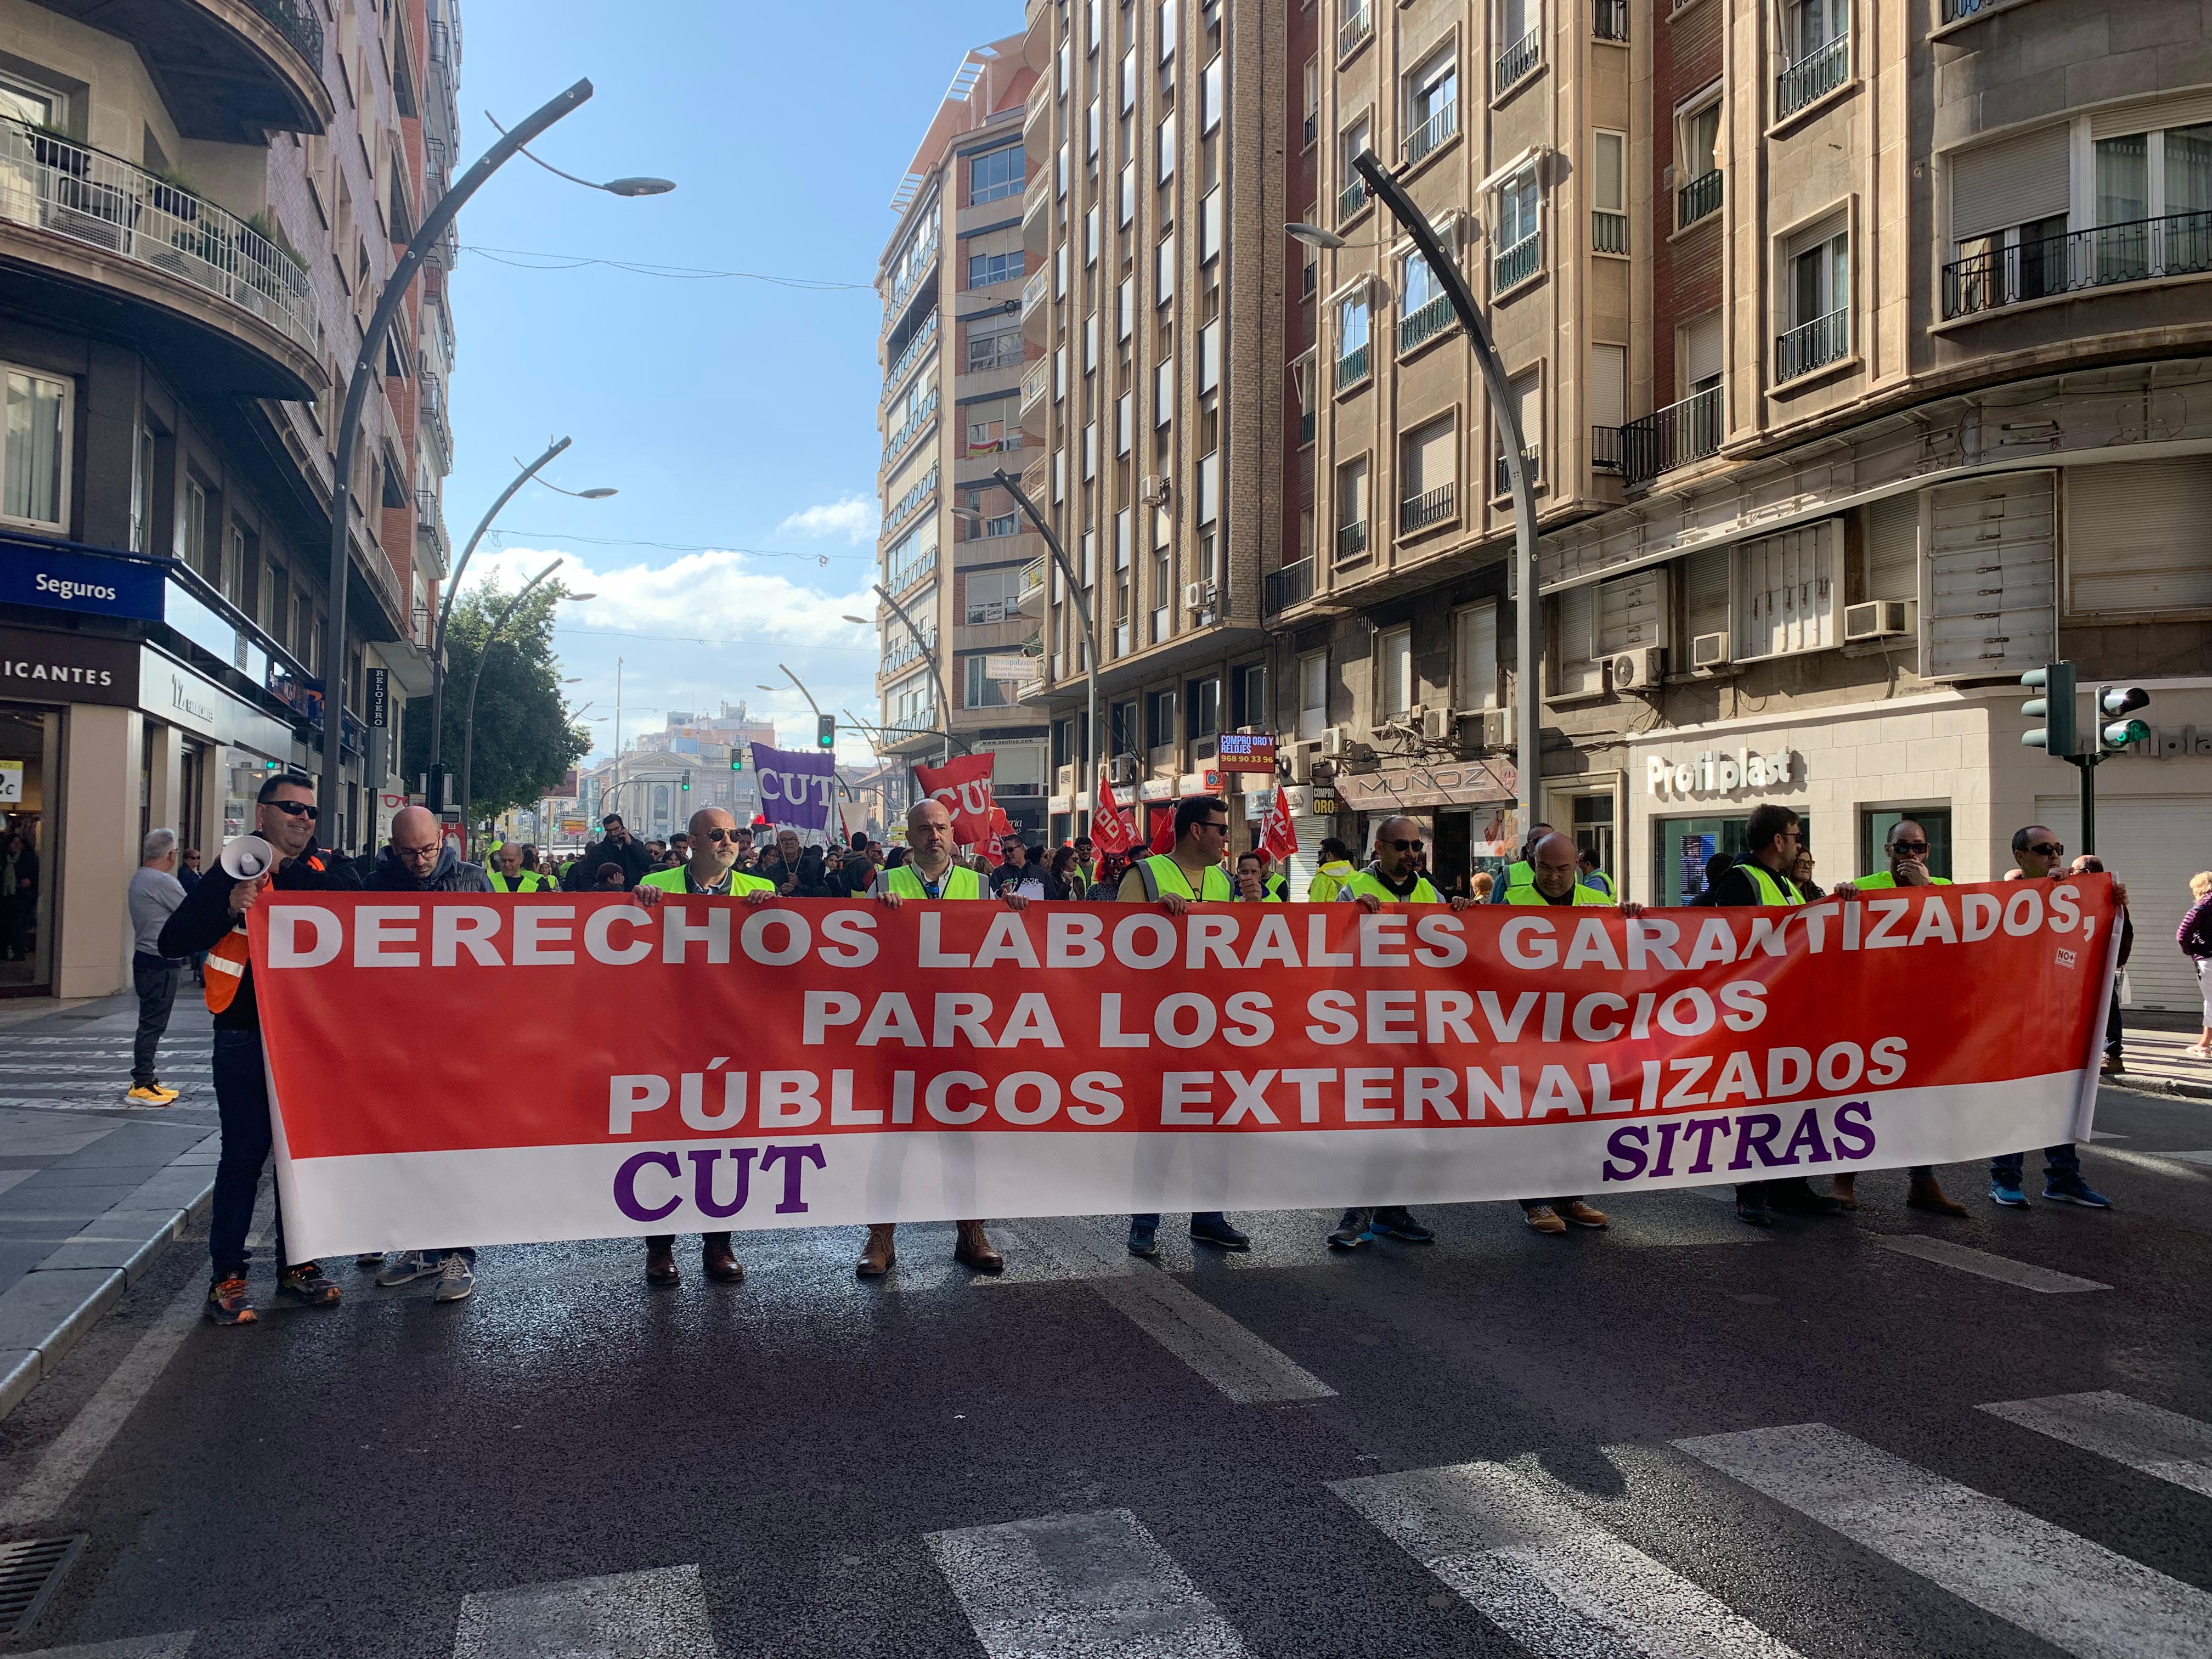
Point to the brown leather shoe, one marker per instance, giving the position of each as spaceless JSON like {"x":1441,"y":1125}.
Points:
{"x":1844,"y":1189}
{"x":1583,"y":1215}
{"x":1925,"y":1194}
{"x":660,"y":1265}
{"x":877,"y":1256}
{"x":720,"y":1264}
{"x":1544,"y":1218}
{"x":973,"y":1250}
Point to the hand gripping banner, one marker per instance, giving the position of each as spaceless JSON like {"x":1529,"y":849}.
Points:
{"x":707,"y":1064}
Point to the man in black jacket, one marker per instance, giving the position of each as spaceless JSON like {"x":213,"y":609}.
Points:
{"x":616,"y":845}
{"x":284,"y":817}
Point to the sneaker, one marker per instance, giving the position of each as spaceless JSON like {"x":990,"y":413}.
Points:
{"x":456,"y":1279}
{"x":2198,"y":1051}
{"x":406,"y":1268}
{"x":1351,"y":1232}
{"x":307,"y":1283}
{"x":1217,"y":1232}
{"x":2008,"y":1193}
{"x":1142,"y":1240}
{"x":149,"y":1094}
{"x":226,"y":1303}
{"x":2072,"y":1189}
{"x":1397,"y":1222}
{"x":1752,"y":1213}
{"x":1584,"y":1215}
{"x":1544,"y":1218}
{"x":369,"y":1259}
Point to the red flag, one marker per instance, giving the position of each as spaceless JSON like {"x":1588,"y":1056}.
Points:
{"x":962,"y":786}
{"x":1000,"y":825}
{"x":1110,"y":831}
{"x":1281,"y":838}
{"x":1164,"y":837}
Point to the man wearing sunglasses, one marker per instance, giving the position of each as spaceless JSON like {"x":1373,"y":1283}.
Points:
{"x":284,"y":817}
{"x":1906,"y":847}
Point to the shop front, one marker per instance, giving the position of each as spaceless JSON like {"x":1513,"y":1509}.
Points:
{"x":1464,"y":810}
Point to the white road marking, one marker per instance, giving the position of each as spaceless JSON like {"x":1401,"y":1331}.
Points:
{"x":2190,"y":1157}
{"x":1558,"y":1583}
{"x":66,"y":1462}
{"x":2077,"y":1596}
{"x":2146,"y":1438}
{"x":1235,"y":1360}
{"x":1095,"y":1586}
{"x":2165,"y":1164}
{"x":657,"y":1614}
{"x":2026,"y":1275}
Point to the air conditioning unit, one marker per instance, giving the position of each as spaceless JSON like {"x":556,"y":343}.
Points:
{"x":1336,"y":742}
{"x":1198,"y":596}
{"x":1708,"y":651}
{"x":1496,"y":728}
{"x":1876,"y":619}
{"x":1302,"y":763}
{"x":1122,"y":770}
{"x":1640,"y":670}
{"x":1437,"y":725}
{"x":1152,"y":490}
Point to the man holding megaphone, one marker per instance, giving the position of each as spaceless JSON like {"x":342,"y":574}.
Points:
{"x":281,"y":853}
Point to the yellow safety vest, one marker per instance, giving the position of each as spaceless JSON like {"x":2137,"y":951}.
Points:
{"x":1532,"y":894}
{"x":1329,"y":881}
{"x":1163,"y":877}
{"x":1887,"y":880}
{"x":1605,"y":885}
{"x":528,"y":882}
{"x":1366,"y":881}
{"x":960,"y":883}
{"x":674,"y":881}
{"x":1773,"y":889}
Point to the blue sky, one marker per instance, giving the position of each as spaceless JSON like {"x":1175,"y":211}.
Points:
{"x":730,"y":414}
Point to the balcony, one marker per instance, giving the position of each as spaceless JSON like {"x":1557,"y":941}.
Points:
{"x":1813,"y":345}
{"x":203,"y":270}
{"x":2179,"y":245}
{"x":1292,"y":585}
{"x":1350,"y":539}
{"x":1812,"y":76}
{"x":1426,"y":322}
{"x":1430,"y":507}
{"x":1609,"y":20}
{"x":229,"y":71}
{"x":1605,"y":449}
{"x":910,"y":354}
{"x":1520,"y":60}
{"x":1609,"y":232}
{"x":902,"y":509}
{"x":1351,"y":199}
{"x":1032,"y":587}
{"x":1352,"y":367}
{"x":1305,"y":427}
{"x":1501,"y":481}
{"x":1035,"y":378}
{"x":1700,"y":198}
{"x":923,"y":413}
{"x":1034,"y":291}
{"x":1517,"y":264}
{"x":921,"y":262}
{"x":432,"y":400}
{"x":1433,"y":132}
{"x":1352,"y":33}
{"x":1674,"y":436}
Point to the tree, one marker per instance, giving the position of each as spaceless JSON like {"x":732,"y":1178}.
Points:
{"x":525,"y":742}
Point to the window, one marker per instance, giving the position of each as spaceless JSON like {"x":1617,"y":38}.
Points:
{"x":993,"y":425}
{"x":994,"y":256}
{"x":1817,"y":291}
{"x":1785,"y":590}
{"x":1164,"y":381}
{"x":1163,"y":261}
{"x":1204,"y":704}
{"x":1129,"y":80}
{"x":1128,"y":213}
{"x":1351,"y":509}
{"x":191,"y":529}
{"x":142,"y":490}
{"x":1060,"y":172}
{"x":1091,"y":235}
{"x":1428,"y":474}
{"x":1091,"y":450}
{"x":1425,"y":310}
{"x":1058,"y":373}
{"x":1125,"y":322}
{"x":1209,"y":489}
{"x":1521,"y":41}
{"x":35,"y":450}
{"x":1166,"y":147}
{"x":1313,"y":696}
{"x":1609,"y":405}
{"x":1159,"y":720}
{"x":1609,"y":192}
{"x":979,"y":691}
{"x":911,"y":556}
{"x":1699,"y":345}
{"x":1474,"y":656}
{"x":1000,"y":349}
{"x":1090,"y":133}
{"x":1125,"y":534}
{"x":1209,"y":358}
{"x":1125,"y":421}
{"x":1060,"y":272}
{"x":1697,"y":174}
{"x":1248,"y":697}
{"x":1432,"y":105}
{"x":1875,"y":822}
{"x":1209,"y":226}
{"x":1352,"y":339}
{"x":1816,"y":40}
{"x":1167,"y":32}
{"x":1091,"y":344}
{"x":993,"y":596}
{"x":1210,"y":96}
{"x":2138,"y":542}
{"x":2008,"y":212}
{"x":1354,"y":142}
{"x":1526,"y":390}
{"x":1394,"y":673}
{"x":1517,"y":239}
{"x":994,"y":174}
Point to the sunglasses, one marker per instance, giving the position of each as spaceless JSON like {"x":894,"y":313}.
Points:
{"x":1911,"y":848}
{"x":294,"y":808}
{"x":719,"y":834}
{"x":1219,"y":824}
{"x":2048,"y":849}
{"x":1402,"y":846}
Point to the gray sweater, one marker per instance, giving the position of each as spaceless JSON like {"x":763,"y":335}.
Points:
{"x":154,"y":894}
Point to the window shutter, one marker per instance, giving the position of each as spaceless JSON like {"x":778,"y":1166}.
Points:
{"x":2008,"y":184}
{"x":1706,"y":577}
{"x":2137,"y":536}
{"x":1991,"y":581}
{"x":2188,"y":110}
{"x":1892,"y":528}
{"x":1608,"y":395}
{"x":1785,"y":590}
{"x":1578,"y":670}
{"x":1702,"y":349}
{"x":1631,"y":610}
{"x":1529,"y":406}
{"x":1429,"y":458}
{"x":1475,"y":661}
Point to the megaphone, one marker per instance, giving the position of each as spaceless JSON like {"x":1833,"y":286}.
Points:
{"x":248,"y":858}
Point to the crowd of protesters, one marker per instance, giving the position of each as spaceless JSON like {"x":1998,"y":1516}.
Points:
{"x":201,"y":918}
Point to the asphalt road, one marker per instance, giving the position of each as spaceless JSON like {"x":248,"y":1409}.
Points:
{"x":1680,"y":1437}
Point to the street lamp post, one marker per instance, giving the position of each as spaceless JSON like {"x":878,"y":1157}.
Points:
{"x":929,"y":658}
{"x":1527,"y":636}
{"x":1090,"y":635}
{"x":367,"y":367}
{"x":469,"y":720}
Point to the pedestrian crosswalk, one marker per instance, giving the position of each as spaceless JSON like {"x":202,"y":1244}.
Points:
{"x":1545,"y":1564}
{"x":88,"y":1071}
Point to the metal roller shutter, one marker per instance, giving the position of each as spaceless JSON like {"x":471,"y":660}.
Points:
{"x":2137,"y":536}
{"x":1989,"y":600}
{"x":2155,"y":846}
{"x":2188,"y":109}
{"x":1608,"y":387}
{"x":1891,"y":527}
{"x":1702,"y":350}
{"x":2009,"y":183}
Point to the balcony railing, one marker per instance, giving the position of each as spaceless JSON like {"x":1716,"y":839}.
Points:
{"x":1033,"y":574}
{"x":1035,"y":378}
{"x":918,"y":263}
{"x":1520,"y":59}
{"x":1033,"y":291}
{"x":1305,"y":427}
{"x":1352,"y":539}
{"x":1813,"y":345}
{"x":1605,"y":449}
{"x":1700,"y":196}
{"x":432,"y":397}
{"x":1291,"y":584}
{"x":104,"y":202}
{"x":910,"y":354}
{"x":1609,"y":232}
{"x":1357,"y":26}
{"x":1818,"y":72}
{"x":1517,"y":264}
{"x":1313,"y":129}
{"x":1430,"y":507}
{"x":426,"y":509}
{"x":1424,"y":322}
{"x":1426,"y":138}
{"x":1609,"y":19}
{"x":1954,"y":10}
{"x":924,"y":413}
{"x":1501,"y":481}
{"x":903,"y":509}
{"x":1674,"y":436}
{"x":298,"y":24}
{"x":1352,"y":367}
{"x":1351,"y":199}
{"x":2179,"y":245}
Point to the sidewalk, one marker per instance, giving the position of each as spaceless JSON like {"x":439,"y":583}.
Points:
{"x":2156,"y":1065}
{"x":91,"y":1189}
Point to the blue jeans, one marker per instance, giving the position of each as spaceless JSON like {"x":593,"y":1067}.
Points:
{"x":242,"y":1098}
{"x":1149,"y":1222}
{"x":2060,"y":1163}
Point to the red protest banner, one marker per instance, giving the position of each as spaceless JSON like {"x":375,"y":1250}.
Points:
{"x":1110,"y":831}
{"x":1280,"y":837}
{"x":800,"y":1063}
{"x":964,"y":788}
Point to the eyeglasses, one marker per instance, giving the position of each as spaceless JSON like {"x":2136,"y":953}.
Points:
{"x":2046,"y":849}
{"x":730,"y":836}
{"x":1402,"y":846}
{"x":1910,"y":848}
{"x":429,"y":852}
{"x":1218,"y":824}
{"x":294,"y":808}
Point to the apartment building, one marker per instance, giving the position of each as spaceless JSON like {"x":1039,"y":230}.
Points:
{"x":959,"y":634}
{"x":199,"y":203}
{"x":667,"y":776}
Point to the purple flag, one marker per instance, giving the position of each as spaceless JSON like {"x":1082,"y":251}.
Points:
{"x":798,"y":790}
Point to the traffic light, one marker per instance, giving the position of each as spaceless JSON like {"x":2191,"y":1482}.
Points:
{"x":2112,"y":702}
{"x":2055,"y":708}
{"x":825,"y":731}
{"x":737,"y":758}
{"x":687,"y":779}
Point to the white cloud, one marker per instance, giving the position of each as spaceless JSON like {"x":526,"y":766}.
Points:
{"x":853,"y":517}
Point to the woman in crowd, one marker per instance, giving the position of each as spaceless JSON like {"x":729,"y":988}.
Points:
{"x":1802,"y":873}
{"x":2194,"y":937}
{"x":1108,"y":888}
{"x":1063,"y":879}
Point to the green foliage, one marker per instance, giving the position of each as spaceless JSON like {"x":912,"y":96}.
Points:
{"x":525,"y":743}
